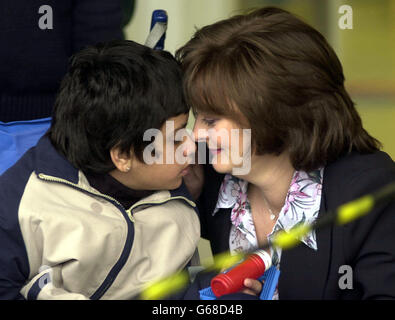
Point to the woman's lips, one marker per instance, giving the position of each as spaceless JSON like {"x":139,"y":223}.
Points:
{"x":215,"y":151}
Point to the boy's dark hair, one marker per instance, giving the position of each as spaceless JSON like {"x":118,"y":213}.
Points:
{"x":112,"y":93}
{"x":280,"y":75}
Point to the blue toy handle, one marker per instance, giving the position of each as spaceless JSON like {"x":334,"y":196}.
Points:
{"x":159,"y":16}
{"x":270,"y":277}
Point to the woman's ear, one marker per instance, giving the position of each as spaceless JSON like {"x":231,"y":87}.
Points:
{"x":121,"y":160}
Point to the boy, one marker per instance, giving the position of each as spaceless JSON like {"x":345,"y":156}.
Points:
{"x":83,"y":216}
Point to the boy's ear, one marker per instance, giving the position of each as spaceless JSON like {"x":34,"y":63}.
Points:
{"x":121,"y":160}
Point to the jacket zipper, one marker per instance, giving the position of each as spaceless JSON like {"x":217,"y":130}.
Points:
{"x":158,"y":202}
{"x":127,"y":214}
{"x":76,"y":186}
{"x":128,"y":211}
{"x":117,"y":267}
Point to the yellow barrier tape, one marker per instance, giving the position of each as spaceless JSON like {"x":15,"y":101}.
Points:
{"x":282,"y":239}
{"x":354,"y":209}
{"x":224,"y":260}
{"x":162,"y":288}
{"x":159,"y":289}
{"x":286,"y":240}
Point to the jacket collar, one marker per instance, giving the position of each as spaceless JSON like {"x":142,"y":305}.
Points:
{"x":50,"y":162}
{"x":301,"y":205}
{"x":183,"y":192}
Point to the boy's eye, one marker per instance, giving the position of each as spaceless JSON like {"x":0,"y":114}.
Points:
{"x":177,"y":142}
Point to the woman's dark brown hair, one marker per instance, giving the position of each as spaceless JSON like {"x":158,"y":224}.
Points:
{"x":282,"y":76}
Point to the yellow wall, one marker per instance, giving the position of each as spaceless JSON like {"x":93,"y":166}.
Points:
{"x":368,"y":57}
{"x":184,"y":17}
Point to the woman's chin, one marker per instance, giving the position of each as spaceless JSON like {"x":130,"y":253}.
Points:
{"x":222,"y":168}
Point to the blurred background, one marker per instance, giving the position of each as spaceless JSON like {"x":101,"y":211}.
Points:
{"x":367,"y":51}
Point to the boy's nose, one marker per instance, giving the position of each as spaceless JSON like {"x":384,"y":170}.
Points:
{"x":190,"y":147}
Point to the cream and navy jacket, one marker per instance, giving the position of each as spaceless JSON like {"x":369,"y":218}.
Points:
{"x":62,"y":239}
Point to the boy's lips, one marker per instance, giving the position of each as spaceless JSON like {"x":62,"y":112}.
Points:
{"x":185,"y":171}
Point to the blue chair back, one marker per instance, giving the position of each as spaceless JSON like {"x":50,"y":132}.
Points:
{"x":17,"y":137}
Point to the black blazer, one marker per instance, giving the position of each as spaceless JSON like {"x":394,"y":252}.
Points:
{"x":367,"y":244}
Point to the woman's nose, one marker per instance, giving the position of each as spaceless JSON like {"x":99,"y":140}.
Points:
{"x":199,"y":132}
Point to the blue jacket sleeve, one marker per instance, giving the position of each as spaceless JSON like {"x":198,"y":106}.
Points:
{"x":14,"y":264}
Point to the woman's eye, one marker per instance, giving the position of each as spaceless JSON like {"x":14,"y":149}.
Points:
{"x":209,"y":122}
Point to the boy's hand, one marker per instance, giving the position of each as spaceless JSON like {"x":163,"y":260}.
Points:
{"x":252,"y":286}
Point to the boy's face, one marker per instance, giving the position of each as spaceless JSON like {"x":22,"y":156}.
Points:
{"x":164,"y":167}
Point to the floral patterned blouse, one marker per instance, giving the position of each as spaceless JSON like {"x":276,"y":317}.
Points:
{"x":302,"y":205}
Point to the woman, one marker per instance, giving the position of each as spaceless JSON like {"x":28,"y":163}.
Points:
{"x":270,"y":72}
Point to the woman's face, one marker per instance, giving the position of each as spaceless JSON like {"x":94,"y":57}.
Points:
{"x":229,"y":144}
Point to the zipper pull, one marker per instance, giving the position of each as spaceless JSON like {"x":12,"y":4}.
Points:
{"x":130,"y":215}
